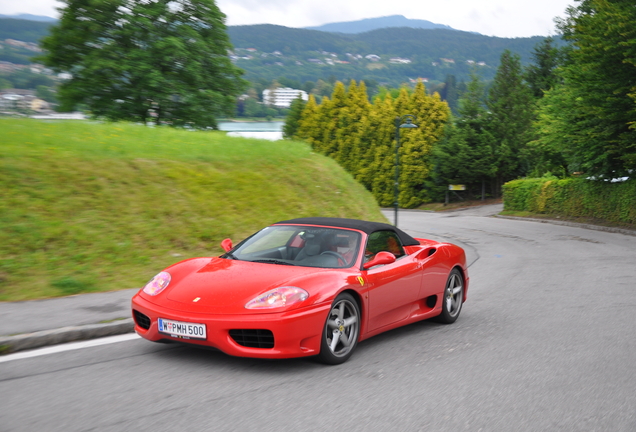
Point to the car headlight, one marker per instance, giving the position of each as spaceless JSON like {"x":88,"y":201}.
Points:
{"x":278,"y":297}
{"x":157,"y":283}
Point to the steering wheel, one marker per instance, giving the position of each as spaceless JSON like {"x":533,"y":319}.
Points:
{"x":336,"y":254}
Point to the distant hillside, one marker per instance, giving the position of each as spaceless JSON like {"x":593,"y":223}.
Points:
{"x":30,"y":17}
{"x":267,"y":52}
{"x":369,"y":24}
{"x":385,"y":56}
{"x":269,"y":38}
{"x":408,"y":42}
{"x":24,"y":30}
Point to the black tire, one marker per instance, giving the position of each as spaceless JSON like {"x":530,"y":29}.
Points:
{"x":453,"y":298}
{"x":343,"y":327}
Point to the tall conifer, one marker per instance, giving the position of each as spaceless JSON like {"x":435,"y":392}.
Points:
{"x":309,"y":123}
{"x":416,"y":144}
{"x":381,"y":172}
{"x":511,"y":106}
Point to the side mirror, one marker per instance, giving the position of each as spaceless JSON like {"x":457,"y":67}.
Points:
{"x":381,"y":258}
{"x":226,"y":245}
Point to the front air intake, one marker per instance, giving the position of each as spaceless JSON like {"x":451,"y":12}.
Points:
{"x":253,"y":338}
{"x":142,"y":320}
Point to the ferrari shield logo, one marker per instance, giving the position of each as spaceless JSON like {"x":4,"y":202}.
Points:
{"x":361,"y":280}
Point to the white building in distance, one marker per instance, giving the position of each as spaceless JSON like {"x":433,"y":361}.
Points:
{"x":283,"y":97}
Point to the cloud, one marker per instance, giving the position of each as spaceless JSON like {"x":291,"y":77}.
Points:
{"x":300,"y":13}
{"x":505,"y":18}
{"x":34,"y":7}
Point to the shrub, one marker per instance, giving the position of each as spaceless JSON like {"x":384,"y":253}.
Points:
{"x":573,"y":197}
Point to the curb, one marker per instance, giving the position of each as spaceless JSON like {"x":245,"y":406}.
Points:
{"x":573,"y":224}
{"x":21,"y":342}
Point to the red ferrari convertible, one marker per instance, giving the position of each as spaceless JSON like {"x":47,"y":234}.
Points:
{"x":304,"y":287}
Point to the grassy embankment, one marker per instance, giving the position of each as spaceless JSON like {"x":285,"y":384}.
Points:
{"x":90,"y":207}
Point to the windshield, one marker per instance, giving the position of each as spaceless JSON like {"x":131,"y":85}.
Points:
{"x":306,"y":246}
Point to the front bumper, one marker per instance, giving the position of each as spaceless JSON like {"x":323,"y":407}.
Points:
{"x":297,"y":333}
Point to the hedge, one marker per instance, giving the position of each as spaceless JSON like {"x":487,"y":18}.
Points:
{"x":573,"y":197}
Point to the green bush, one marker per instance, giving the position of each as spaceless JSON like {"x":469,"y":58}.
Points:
{"x":573,"y":197}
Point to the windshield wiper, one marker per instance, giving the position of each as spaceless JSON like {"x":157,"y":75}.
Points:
{"x":229,"y":255}
{"x":273,"y":261}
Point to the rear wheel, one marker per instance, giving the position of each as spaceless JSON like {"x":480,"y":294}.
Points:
{"x":341,"y":331}
{"x":453,"y":298}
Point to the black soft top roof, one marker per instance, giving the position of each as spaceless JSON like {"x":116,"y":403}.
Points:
{"x":365,"y":226}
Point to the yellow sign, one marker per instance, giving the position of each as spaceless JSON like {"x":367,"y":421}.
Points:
{"x":361,"y":280}
{"x":456,"y":187}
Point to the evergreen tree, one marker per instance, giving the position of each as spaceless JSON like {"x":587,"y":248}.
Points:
{"x":332,"y":117}
{"x":309,"y":127}
{"x":541,"y":76}
{"x":361,"y":137}
{"x":160,"y":61}
{"x":465,"y":155}
{"x":432,"y":115}
{"x":382,"y":169}
{"x":373,"y":134}
{"x":449,"y":93}
{"x":349,"y":142}
{"x":511,"y":106}
{"x":292,"y":121}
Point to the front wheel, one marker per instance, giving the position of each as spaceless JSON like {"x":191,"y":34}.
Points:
{"x":453,"y":298}
{"x":341,"y":331}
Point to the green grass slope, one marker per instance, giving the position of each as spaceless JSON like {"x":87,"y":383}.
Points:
{"x":94,"y":207}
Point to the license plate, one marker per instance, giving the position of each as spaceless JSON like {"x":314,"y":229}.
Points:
{"x":184,"y":330}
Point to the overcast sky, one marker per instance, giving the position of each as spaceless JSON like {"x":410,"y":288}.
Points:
{"x":503,"y":18}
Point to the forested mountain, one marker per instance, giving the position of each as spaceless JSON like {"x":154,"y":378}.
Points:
{"x":399,"y":41}
{"x":24,"y":30}
{"x":30,"y":17}
{"x":397,"y":54}
{"x":303,"y":57}
{"x":268,"y":38}
{"x":369,"y":24}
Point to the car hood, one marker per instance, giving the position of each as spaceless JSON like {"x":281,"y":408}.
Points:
{"x":224,"y":286}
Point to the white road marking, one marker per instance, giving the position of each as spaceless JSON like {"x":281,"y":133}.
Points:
{"x":68,"y":347}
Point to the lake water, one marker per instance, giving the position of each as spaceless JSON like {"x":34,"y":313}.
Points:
{"x":272,"y":131}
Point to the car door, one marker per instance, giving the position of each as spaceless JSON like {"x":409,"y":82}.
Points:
{"x":393,"y":288}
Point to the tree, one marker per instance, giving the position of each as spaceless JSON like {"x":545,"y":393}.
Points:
{"x":379,"y":165}
{"x":465,"y":156}
{"x":431,"y":116}
{"x":541,"y":76}
{"x":309,"y":127}
{"x":332,"y":117}
{"x":163,"y":61}
{"x":554,"y":151}
{"x":292,"y":121}
{"x":253,"y":108}
{"x":361,"y":137}
{"x":511,"y":107}
{"x":350,"y":146}
{"x":449,"y":92}
{"x":600,"y":77}
{"x":45,"y":93}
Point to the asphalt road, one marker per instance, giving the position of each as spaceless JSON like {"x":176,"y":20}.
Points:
{"x":546,"y":341}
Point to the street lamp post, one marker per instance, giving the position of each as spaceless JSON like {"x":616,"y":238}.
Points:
{"x":405,"y":121}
